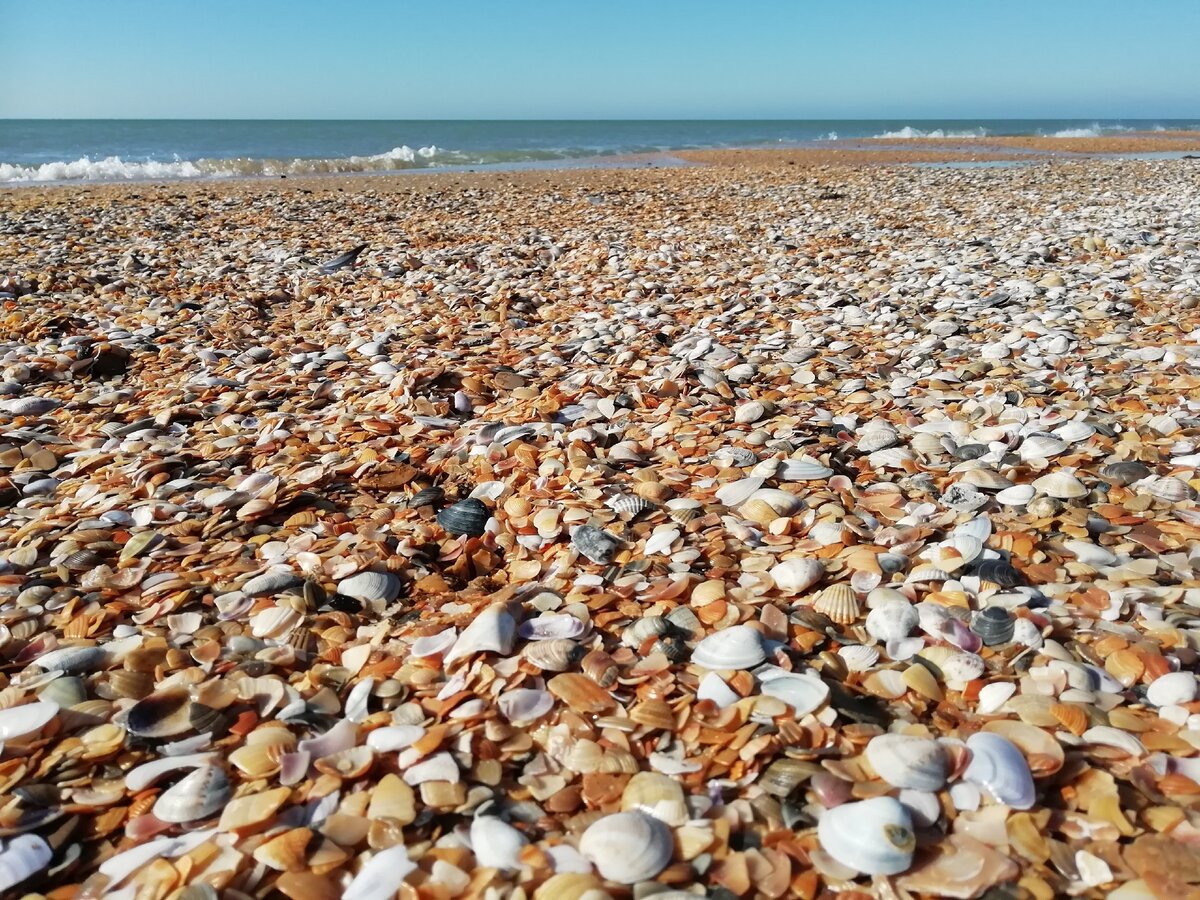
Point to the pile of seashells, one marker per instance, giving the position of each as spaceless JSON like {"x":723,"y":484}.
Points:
{"x":720,"y":535}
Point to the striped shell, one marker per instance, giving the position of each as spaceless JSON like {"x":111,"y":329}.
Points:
{"x":838,"y":603}
{"x":629,"y":504}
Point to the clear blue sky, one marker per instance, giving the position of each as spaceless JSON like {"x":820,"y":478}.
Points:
{"x":614,"y":59}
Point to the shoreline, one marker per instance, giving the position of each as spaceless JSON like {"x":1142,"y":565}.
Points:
{"x":848,"y":152}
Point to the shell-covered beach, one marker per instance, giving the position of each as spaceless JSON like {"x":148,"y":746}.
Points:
{"x":779,"y":527}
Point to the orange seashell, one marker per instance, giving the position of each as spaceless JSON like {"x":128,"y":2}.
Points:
{"x":655,"y":714}
{"x":1071,"y":717}
{"x":1124,"y":665}
{"x":580,"y":693}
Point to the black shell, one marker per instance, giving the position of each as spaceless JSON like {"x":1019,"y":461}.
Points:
{"x":430,"y":496}
{"x":999,"y":571}
{"x":158,"y":714}
{"x":468,"y":516}
{"x":994,"y":624}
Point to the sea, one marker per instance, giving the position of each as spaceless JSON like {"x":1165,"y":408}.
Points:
{"x":54,"y":150}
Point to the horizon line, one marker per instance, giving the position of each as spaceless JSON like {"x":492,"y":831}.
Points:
{"x":890,"y":118}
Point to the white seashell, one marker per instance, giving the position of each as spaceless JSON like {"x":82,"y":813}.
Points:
{"x":524,"y":704}
{"x":439,"y":767}
{"x":907,"y":761}
{"x":876,"y":439}
{"x":999,"y":768}
{"x":923,"y":806}
{"x":141,"y":777}
{"x":873,"y":836}
{"x":735,"y":493}
{"x":394,"y":737}
{"x":1026,"y":633}
{"x":1174,"y":688}
{"x":993,"y":696}
{"x":1114,"y":737}
{"x":784,"y":503}
{"x":803,"y":693}
{"x":979,"y":528}
{"x":627,"y":847}
{"x":29,"y":718}
{"x":828,"y":533}
{"x":275,"y":622}
{"x":793,"y":576}
{"x":892,"y":621}
{"x":660,"y":542}
{"x":736,"y":647}
{"x":371,"y":587}
{"x":548,"y":627}
{"x":1074,"y":432}
{"x":803,"y":469}
{"x":1090,"y":554}
{"x":713,"y":687}
{"x":749,"y":412}
{"x":356,"y":701}
{"x":960,"y":668}
{"x":904,"y":648}
{"x":1017,"y":495}
{"x":23,"y":857}
{"x":198,"y":795}
{"x":1041,"y":446}
{"x":433,"y":644}
{"x":496,"y":844}
{"x":1061,"y":485}
{"x":382,"y":876}
{"x":858,"y":657}
{"x":493,"y":630}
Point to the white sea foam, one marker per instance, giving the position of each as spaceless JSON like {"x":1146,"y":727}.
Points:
{"x":114,"y":168}
{"x":1077,"y":133}
{"x":908,"y":133}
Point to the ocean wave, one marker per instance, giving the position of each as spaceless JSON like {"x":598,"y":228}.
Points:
{"x":908,"y":133}
{"x":114,"y":168}
{"x":1077,"y":133}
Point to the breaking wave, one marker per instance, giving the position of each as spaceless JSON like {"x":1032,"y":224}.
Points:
{"x":1077,"y":133}
{"x":114,"y":168}
{"x":908,"y":133}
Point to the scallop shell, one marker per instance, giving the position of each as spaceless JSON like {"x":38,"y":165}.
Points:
{"x":198,"y":795}
{"x":827,"y":533}
{"x":1061,"y":485}
{"x":838,"y":603}
{"x":873,"y":836}
{"x":736,"y":647}
{"x":630,"y":505}
{"x":858,"y":657}
{"x":794,"y":576}
{"x":998,"y":767}
{"x":907,"y":761}
{"x":466,"y":517}
{"x":737,"y":456}
{"x":627,"y":847}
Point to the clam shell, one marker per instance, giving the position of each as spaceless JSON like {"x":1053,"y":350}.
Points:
{"x":735,"y":493}
{"x":1041,"y":446}
{"x":550,"y":626}
{"x":873,"y":836}
{"x":198,"y":795}
{"x":907,"y":761}
{"x":794,"y":576}
{"x":523,"y":705}
{"x":998,"y":767}
{"x":273,"y":581}
{"x":1172,"y":490}
{"x":803,"y":693}
{"x":736,"y":647}
{"x":803,"y":469}
{"x":382,"y":876}
{"x":1017,"y":495}
{"x":778,"y":501}
{"x":160,"y":715}
{"x":1125,"y":472}
{"x":994,"y":625}
{"x":595,"y":543}
{"x":466,"y":517}
{"x":838,"y":603}
{"x":145,"y":775}
{"x":371,"y":587}
{"x":29,"y":718}
{"x":1061,"y":485}
{"x":656,"y":795}
{"x":627,"y":847}
{"x":73,"y":659}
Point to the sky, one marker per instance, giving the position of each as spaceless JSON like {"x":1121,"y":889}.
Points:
{"x":453,"y":59}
